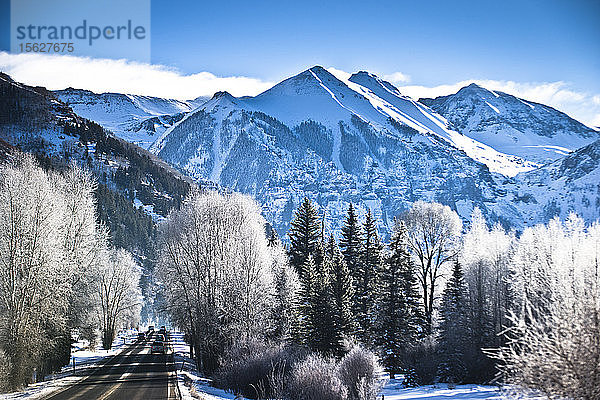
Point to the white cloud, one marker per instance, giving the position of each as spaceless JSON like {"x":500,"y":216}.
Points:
{"x":105,"y":75}
{"x":397,"y":78}
{"x":582,"y":106}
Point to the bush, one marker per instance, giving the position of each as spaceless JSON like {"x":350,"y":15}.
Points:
{"x":257,"y":370}
{"x":358,"y":372}
{"x":422,"y":360}
{"x":316,"y":378}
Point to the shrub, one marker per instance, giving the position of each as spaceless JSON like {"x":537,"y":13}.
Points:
{"x":358,"y":371}
{"x":316,"y":378}
{"x":422,"y":360}
{"x":257,"y":370}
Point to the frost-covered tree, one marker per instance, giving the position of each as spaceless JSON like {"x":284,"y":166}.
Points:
{"x":486,"y":256}
{"x":216,"y":268}
{"x":554,"y":338}
{"x":399,"y":313}
{"x":433,"y":237}
{"x":31,"y":280}
{"x":118,"y":293}
{"x":49,"y":241}
{"x":83,"y":241}
{"x":287,"y":286}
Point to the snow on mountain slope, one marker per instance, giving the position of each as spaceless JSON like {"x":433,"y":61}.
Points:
{"x":309,"y":94}
{"x":569,"y":184}
{"x":137,"y":119}
{"x":406,"y":110}
{"x":531,"y":131}
{"x":313,"y":135}
{"x":357,"y":139}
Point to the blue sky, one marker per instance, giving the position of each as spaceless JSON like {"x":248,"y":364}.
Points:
{"x":434,"y":42}
{"x":547,"y":51}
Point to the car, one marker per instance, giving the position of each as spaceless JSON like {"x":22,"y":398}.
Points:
{"x":160,"y":337}
{"x":151,"y":328}
{"x":158,"y":347}
{"x":141,"y":337}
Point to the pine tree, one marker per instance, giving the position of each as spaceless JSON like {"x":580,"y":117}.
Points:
{"x":326,"y":337}
{"x":343,"y":290}
{"x":398,"y":307}
{"x":366,"y":283}
{"x":453,"y":331}
{"x":318,"y":326}
{"x":305,"y":324}
{"x":305,"y":236}
{"x":351,"y":242}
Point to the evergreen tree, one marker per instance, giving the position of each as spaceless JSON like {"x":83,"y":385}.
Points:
{"x":453,"y":332}
{"x":326,"y":337}
{"x":398,"y":304}
{"x":366,"y":283}
{"x":305,"y":324}
{"x":342,"y":288}
{"x":351,"y":242}
{"x":318,"y":329}
{"x":305,"y":236}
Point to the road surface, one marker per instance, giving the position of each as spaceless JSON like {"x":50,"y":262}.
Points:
{"x":132,"y":374}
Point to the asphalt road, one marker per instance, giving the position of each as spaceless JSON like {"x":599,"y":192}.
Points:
{"x":132,"y":374}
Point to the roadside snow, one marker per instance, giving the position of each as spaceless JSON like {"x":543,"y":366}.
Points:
{"x":191,"y":383}
{"x":84,"y":359}
{"x":193,"y":386}
{"x":394,"y":391}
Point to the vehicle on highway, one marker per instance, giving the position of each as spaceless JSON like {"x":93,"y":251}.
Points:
{"x":151,"y":328}
{"x":158,"y":347}
{"x":141,"y":337}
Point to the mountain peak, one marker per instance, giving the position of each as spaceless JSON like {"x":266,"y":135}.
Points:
{"x":317,"y":68}
{"x":223,"y":94}
{"x":473,"y":85}
{"x":372,"y":81}
{"x":474,"y":88}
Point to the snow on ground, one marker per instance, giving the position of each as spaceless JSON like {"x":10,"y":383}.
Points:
{"x":191,"y":384}
{"x":394,"y":390}
{"x":148,"y":209}
{"x":84,"y":359}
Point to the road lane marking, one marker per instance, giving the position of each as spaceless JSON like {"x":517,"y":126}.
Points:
{"x":104,"y":364}
{"x":122,"y":378}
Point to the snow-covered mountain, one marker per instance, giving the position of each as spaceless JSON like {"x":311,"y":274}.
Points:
{"x":137,"y":119}
{"x":571,"y":183}
{"x":339,"y":140}
{"x":532,"y":131}
{"x":360,"y":140}
{"x":336,"y":142}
